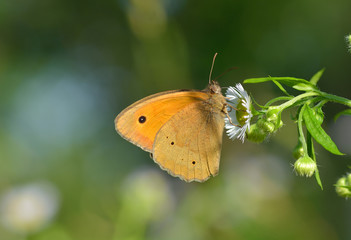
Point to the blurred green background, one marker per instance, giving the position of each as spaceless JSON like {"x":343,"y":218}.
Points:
{"x":67,"y":68}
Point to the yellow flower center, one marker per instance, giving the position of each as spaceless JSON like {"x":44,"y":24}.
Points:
{"x":241,"y":114}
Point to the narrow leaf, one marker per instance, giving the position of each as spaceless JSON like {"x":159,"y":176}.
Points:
{"x":254,"y":101}
{"x":334,"y":98}
{"x":345,"y":112}
{"x":281,"y":88}
{"x":317,"y":131}
{"x":304,"y":87}
{"x":297,"y":83}
{"x":314,"y":80}
{"x":318,"y":179}
{"x":310,"y":149}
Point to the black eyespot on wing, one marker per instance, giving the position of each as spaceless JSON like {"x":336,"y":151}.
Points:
{"x":172,"y":143}
{"x":193,"y":162}
{"x":142,"y":119}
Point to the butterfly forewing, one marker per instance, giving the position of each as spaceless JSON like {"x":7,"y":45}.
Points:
{"x":140,"y":122}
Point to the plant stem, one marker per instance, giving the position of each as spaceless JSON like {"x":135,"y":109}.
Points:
{"x":334,"y":98}
{"x":301,"y":135}
{"x":295,"y":99}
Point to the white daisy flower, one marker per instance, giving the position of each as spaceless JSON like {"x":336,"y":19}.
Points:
{"x":240,"y":117}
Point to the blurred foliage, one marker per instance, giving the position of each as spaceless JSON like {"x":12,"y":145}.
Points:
{"x":67,"y":68}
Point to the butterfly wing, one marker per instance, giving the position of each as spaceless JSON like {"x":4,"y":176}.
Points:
{"x":140,"y":122}
{"x":189,"y":144}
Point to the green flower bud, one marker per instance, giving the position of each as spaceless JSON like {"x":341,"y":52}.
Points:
{"x":348,"y":178}
{"x":348,"y":42}
{"x":256,"y":134}
{"x":298,"y":151}
{"x":342,"y":187}
{"x":305,"y":166}
{"x":268,"y":127}
{"x":273,"y":116}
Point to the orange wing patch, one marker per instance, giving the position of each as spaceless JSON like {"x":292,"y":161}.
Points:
{"x":141,"y":121}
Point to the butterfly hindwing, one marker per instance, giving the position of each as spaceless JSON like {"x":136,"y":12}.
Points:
{"x":193,"y":154}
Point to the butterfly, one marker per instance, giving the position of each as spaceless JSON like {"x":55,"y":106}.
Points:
{"x":182,"y":129}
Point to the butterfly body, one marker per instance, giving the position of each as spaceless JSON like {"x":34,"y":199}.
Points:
{"x":182,"y":129}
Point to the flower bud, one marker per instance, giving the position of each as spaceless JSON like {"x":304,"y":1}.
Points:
{"x":298,"y":151}
{"x":268,"y":127}
{"x":256,"y":133}
{"x":265,"y":125}
{"x":343,"y":186}
{"x":305,"y":166}
{"x":273,"y":116}
{"x":348,"y":42}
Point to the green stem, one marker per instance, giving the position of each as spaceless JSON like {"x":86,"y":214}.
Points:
{"x":335,"y":98}
{"x":301,"y":135}
{"x":276,"y":100}
{"x":295,"y":99}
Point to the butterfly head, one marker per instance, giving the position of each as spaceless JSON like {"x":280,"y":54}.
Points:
{"x":214,"y":87}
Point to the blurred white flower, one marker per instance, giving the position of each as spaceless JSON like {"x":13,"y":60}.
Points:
{"x":148,"y":191}
{"x":29,"y":208}
{"x":146,"y":201}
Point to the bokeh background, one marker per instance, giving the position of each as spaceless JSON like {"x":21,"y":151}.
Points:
{"x":67,"y":68}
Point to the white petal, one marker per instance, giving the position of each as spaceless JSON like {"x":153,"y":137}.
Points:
{"x":235,"y":95}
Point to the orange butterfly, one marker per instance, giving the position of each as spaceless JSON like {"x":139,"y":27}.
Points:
{"x":182,"y":129}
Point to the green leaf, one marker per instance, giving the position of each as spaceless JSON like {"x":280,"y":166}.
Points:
{"x":304,"y":87}
{"x":317,"y":132}
{"x":254,"y":101}
{"x":318,"y":179}
{"x":334,"y":98}
{"x":310,"y":149}
{"x":297,"y":83}
{"x":345,"y":112}
{"x":281,"y":88}
{"x":314,"y":80}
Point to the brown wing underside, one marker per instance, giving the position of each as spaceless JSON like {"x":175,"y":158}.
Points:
{"x":189,"y":144}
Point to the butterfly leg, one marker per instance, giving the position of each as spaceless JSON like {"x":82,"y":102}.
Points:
{"x":230,"y":121}
{"x":232,"y":107}
{"x":224,"y":109}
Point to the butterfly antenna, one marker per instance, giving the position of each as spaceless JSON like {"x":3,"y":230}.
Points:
{"x":209,"y":77}
{"x":228,"y":70}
